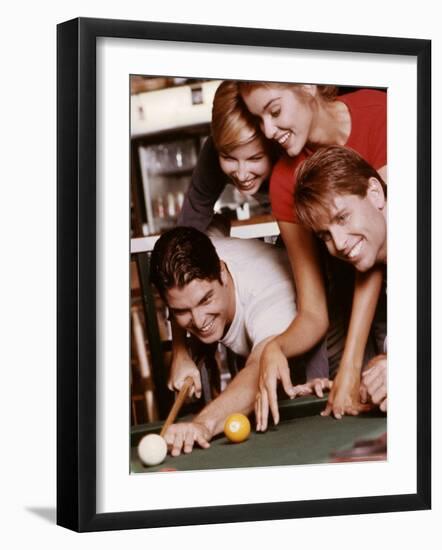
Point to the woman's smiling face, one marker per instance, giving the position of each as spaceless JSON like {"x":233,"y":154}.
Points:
{"x":248,"y":166}
{"x":285,"y":114}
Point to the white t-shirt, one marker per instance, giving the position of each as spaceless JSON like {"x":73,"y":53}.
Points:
{"x":264,"y":291}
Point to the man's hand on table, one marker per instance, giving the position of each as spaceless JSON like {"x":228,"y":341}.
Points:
{"x":316,"y":386}
{"x":182,"y":437}
{"x":374,"y":382}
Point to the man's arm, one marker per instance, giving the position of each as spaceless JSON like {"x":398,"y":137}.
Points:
{"x":239,"y":396}
{"x":344,"y":397}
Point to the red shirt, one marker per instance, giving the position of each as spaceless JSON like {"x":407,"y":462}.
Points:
{"x":368,"y":136}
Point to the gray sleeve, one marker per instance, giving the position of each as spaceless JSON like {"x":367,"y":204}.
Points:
{"x":207,"y":184}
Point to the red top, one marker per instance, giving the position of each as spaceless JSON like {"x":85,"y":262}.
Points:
{"x":368,"y":136}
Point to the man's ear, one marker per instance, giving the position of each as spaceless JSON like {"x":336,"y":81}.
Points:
{"x":224,"y":277}
{"x":375,"y":193}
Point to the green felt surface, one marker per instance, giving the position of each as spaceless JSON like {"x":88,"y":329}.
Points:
{"x":302,"y":437}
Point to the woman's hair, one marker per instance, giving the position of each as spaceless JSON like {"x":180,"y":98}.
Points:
{"x":329,"y":172}
{"x":181,"y":255}
{"x":232,"y":124}
{"x":326,"y":92}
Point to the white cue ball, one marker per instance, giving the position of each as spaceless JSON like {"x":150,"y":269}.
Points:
{"x":152,"y":449}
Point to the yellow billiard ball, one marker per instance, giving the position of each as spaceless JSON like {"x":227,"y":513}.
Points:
{"x":237,"y":427}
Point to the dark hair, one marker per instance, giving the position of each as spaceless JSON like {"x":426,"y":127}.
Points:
{"x":180,"y":256}
{"x":330,"y":171}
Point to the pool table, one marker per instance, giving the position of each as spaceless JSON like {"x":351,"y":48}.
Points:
{"x":302,"y":437}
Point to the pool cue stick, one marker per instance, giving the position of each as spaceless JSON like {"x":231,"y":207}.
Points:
{"x":177,"y":405}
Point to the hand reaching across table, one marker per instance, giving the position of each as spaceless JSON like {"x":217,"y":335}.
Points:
{"x":316,"y":386}
{"x":274,"y":367}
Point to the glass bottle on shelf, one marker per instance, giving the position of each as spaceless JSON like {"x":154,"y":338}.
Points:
{"x":166,"y":170}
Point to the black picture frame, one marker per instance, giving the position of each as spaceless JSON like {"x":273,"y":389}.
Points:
{"x":76,"y":273}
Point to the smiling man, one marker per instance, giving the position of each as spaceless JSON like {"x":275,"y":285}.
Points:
{"x":235,"y":291}
{"x":344,"y":201}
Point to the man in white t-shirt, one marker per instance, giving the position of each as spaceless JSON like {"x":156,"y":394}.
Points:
{"x":235,"y":291}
